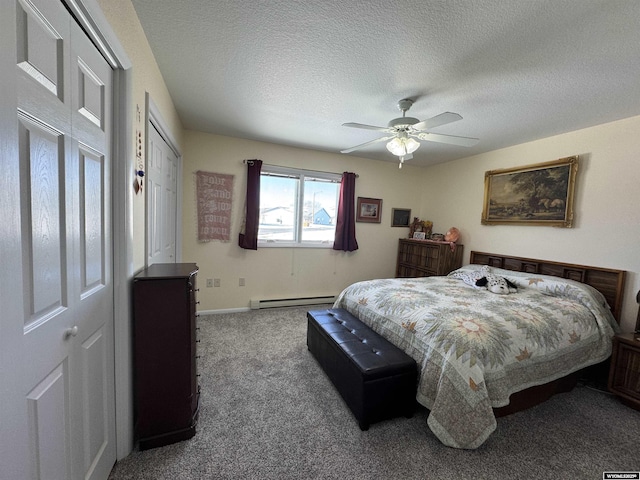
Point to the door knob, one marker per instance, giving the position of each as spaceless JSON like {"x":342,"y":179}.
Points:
{"x":71,"y":332}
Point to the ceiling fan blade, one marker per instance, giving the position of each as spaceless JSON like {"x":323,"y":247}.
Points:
{"x":366,"y":144}
{"x":368,"y":127}
{"x":442,"y":119}
{"x":450,"y":139}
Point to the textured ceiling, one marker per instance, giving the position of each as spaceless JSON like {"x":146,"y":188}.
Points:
{"x":292,"y":72}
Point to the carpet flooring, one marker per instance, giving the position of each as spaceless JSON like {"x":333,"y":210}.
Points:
{"x":269,"y":412}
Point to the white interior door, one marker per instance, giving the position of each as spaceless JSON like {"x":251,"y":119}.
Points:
{"x":93,"y":348}
{"x":59,"y":323}
{"x":162,"y":198}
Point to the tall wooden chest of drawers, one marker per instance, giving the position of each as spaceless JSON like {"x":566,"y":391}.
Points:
{"x":165,"y":377}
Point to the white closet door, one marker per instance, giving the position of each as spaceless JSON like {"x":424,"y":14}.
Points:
{"x":162,"y":197}
{"x":58,"y":325}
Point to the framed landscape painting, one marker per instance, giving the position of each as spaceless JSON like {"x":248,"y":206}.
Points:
{"x":368,"y":210}
{"x":540,"y":194}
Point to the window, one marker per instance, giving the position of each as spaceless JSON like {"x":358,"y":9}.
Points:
{"x":297,"y":207}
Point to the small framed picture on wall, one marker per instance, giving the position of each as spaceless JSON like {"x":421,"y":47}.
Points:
{"x":400,"y":217}
{"x":369,"y":210}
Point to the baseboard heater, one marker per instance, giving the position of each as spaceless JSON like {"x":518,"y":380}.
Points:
{"x":291,"y":302}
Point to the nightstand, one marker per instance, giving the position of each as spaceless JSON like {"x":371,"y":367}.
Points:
{"x":624,"y":375}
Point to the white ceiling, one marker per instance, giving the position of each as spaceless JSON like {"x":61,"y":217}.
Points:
{"x":292,"y":72}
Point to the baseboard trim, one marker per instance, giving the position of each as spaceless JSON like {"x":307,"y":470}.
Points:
{"x":222,"y":310}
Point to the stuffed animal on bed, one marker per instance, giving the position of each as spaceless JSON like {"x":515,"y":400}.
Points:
{"x":496,"y":284}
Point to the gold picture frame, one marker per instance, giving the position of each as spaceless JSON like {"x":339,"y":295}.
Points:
{"x":540,"y":194}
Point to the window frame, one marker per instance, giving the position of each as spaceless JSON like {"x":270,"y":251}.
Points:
{"x":300,"y":175}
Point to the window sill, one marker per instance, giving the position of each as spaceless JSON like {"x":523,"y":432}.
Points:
{"x":295,"y":245}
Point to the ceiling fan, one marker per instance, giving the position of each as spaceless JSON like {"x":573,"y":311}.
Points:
{"x":404,"y":130}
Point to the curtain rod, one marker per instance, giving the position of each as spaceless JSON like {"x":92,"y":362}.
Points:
{"x":305,"y":169}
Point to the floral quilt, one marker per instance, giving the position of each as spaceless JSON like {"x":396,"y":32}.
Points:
{"x":475,"y":348}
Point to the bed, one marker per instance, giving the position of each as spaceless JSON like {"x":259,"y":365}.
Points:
{"x":482,"y":355}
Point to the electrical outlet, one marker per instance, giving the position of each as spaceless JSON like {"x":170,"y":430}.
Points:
{"x":241,"y":282}
{"x":216,"y":282}
{"x":209,"y":282}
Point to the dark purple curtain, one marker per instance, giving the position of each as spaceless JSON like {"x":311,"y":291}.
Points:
{"x":346,"y":219}
{"x":249,"y":234}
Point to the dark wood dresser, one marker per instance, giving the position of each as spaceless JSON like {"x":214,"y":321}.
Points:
{"x":423,"y":258}
{"x":624,"y":377}
{"x":165,"y":376}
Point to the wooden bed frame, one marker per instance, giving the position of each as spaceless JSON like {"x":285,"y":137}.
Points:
{"x":608,"y":281}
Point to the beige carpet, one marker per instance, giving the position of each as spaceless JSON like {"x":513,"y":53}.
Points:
{"x":269,"y":412}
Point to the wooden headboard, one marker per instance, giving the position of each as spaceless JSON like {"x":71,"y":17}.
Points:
{"x":606,"y":280}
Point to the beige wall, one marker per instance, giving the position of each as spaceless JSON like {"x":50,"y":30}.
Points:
{"x":290,"y":272}
{"x":146,"y":79}
{"x":606,"y":230}
{"x":607,"y":203}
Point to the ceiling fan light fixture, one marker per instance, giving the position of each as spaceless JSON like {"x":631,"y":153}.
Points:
{"x":412,"y":145}
{"x":402,"y":146}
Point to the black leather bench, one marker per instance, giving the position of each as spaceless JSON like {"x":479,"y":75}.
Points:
{"x":376,"y":379}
